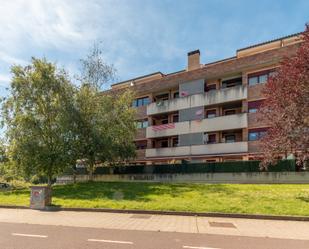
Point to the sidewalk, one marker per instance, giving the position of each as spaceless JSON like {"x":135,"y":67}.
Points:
{"x":164,"y":223}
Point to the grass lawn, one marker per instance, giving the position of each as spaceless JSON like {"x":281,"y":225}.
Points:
{"x":277,"y":199}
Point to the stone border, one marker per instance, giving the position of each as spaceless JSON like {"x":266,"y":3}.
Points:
{"x":180,"y":213}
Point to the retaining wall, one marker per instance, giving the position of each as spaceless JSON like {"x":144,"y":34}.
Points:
{"x":246,"y":177}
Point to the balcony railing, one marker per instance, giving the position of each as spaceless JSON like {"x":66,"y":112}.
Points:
{"x":196,"y":100}
{"x":229,"y":122}
{"x":197,"y":150}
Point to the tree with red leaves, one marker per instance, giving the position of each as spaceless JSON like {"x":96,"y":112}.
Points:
{"x":286,"y":108}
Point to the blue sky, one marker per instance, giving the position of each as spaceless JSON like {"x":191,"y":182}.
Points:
{"x":139,"y":37}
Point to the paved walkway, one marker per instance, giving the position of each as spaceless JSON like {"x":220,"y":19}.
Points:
{"x":166,"y":223}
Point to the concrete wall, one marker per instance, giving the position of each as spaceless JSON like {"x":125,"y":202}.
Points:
{"x":192,"y":87}
{"x":254,"y":177}
{"x":220,"y":148}
{"x":229,"y":122}
{"x":191,"y":139}
{"x":190,"y":114}
{"x":201,"y":99}
{"x":205,"y":149}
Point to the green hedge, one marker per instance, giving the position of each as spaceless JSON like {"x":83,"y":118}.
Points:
{"x":217,"y":167}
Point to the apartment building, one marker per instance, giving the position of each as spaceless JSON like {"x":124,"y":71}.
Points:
{"x":206,"y":112}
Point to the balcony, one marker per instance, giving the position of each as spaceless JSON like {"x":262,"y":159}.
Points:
{"x":229,"y":122}
{"x":196,"y":100}
{"x":197,"y":150}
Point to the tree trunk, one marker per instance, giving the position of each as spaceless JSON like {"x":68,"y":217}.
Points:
{"x":91,"y":171}
{"x":74,"y":177}
{"x":49,"y":181}
{"x":91,"y":174}
{"x":49,"y":191}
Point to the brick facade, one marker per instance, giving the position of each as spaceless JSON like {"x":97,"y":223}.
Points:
{"x":220,"y":73}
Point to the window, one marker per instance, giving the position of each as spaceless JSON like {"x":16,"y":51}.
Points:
{"x":176,"y":95}
{"x":256,"y":134}
{"x":162,"y":97}
{"x":211,"y":139}
{"x":175,"y":118}
{"x":259,"y":77}
{"x":164,"y":143}
{"x":145,"y":123}
{"x":211,"y":113}
{"x":263,"y":78}
{"x":141,"y":145}
{"x":142,"y":124}
{"x":253,"y":106}
{"x":139,"y":124}
{"x":160,"y":143}
{"x":174,"y":141}
{"x":230,"y":138}
{"x":164,"y":121}
{"x":141,"y":102}
{"x":210,"y":87}
{"x":146,"y":101}
{"x":253,"y":80}
{"x":231,"y":82}
{"x":253,"y":135}
{"x":229,"y":112}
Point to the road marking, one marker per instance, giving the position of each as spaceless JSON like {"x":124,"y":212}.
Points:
{"x":196,"y":247}
{"x":111,"y":241}
{"x":30,"y":235}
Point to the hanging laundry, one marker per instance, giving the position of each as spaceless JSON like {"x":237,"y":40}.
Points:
{"x":184,"y":93}
{"x":160,"y":103}
{"x":199,"y":112}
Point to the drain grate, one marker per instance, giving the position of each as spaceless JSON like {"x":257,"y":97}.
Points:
{"x":140,"y":216}
{"x":222,"y":224}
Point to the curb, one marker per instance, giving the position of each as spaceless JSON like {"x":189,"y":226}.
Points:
{"x":13,"y":207}
{"x":179,"y":213}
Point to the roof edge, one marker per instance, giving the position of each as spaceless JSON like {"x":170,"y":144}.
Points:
{"x":137,"y":78}
{"x":270,"y":41}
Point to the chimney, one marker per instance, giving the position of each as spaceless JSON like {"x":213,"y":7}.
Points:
{"x":193,"y":60}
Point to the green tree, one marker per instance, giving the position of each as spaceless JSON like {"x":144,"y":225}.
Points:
{"x":94,"y":70}
{"x":104,"y":125}
{"x":3,"y":152}
{"x":35,"y":115}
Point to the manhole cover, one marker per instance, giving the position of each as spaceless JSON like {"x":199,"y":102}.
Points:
{"x":222,"y":224}
{"x":140,"y":216}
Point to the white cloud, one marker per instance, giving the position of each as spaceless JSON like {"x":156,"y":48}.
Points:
{"x":43,"y":23}
{"x":139,"y":37}
{"x":4,"y":80}
{"x":62,"y":30}
{"x":6,"y":58}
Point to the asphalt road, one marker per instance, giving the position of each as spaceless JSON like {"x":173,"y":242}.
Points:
{"x":26,"y":236}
